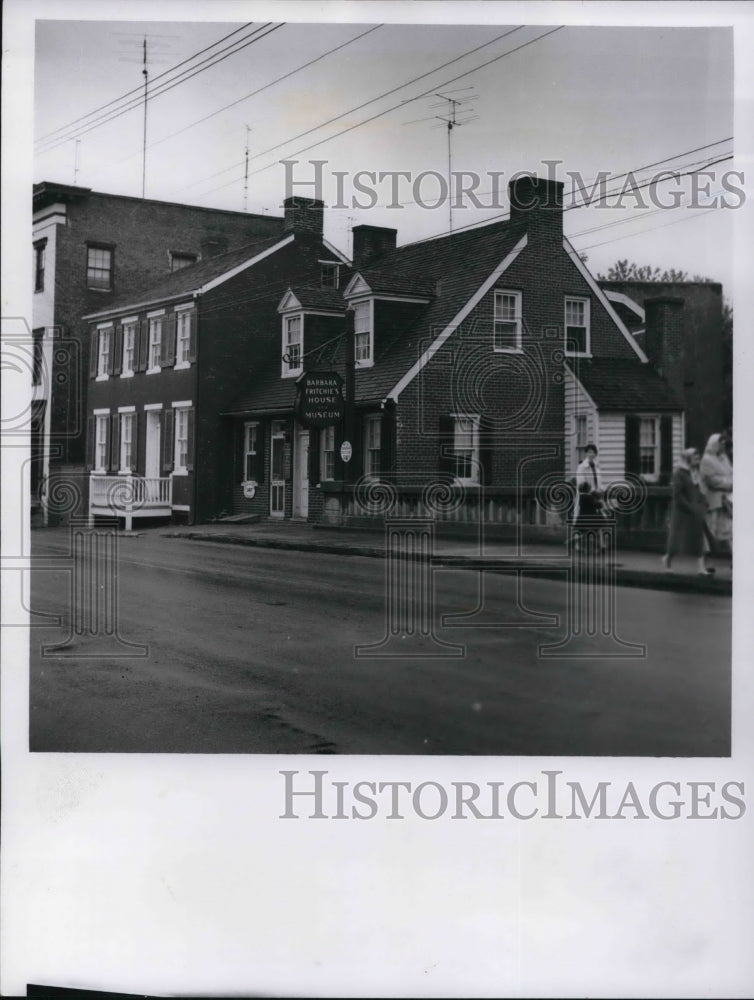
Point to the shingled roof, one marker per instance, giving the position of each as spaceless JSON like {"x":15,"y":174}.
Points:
{"x":624,"y":385}
{"x":190,"y":279}
{"x":450,"y":268}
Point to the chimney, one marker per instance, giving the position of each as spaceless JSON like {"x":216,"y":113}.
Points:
{"x":370,"y":242}
{"x":212,"y":246}
{"x":303,"y":216}
{"x":663,"y":339}
{"x":538,"y":202}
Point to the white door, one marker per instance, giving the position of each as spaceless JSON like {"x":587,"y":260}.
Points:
{"x":152,"y":453}
{"x":301,"y":476}
{"x":277,"y":469}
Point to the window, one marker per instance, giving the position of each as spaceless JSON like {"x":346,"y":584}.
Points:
{"x":330,"y":274}
{"x":327,"y":453}
{"x":39,"y":265}
{"x":155,"y":343}
{"x":126,"y":442}
{"x":250,"y":467}
{"x":99,"y":268}
{"x":577,"y":326}
{"x":103,"y":356}
{"x":129,"y":348}
{"x":582,"y":436}
{"x":292,"y":345}
{"x":181,"y":458}
{"x":649,"y":446}
{"x":181,"y":260}
{"x":183,"y":337}
{"x":372,"y":444}
{"x":38,"y":348}
{"x":100,"y":443}
{"x":507,"y":321}
{"x":466,"y":448}
{"x":362,"y":327}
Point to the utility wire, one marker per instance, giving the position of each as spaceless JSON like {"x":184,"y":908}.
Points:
{"x":163,"y":89}
{"x":137,"y":90}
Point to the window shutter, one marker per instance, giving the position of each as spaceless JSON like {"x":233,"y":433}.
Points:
{"x":447,"y":437}
{"x":262,"y":437}
{"x":387,"y":439}
{"x":239,"y":452}
{"x":168,"y":341}
{"x":114,"y":463}
{"x":135,"y":443}
{"x":355,"y":468}
{"x":141,"y":348}
{"x":91,"y":430}
{"x":632,"y":461}
{"x":485,"y":456}
{"x":666,"y":448}
{"x":192,"y":335}
{"x":93,"y":353}
{"x":190,"y":439}
{"x":167,"y":440}
{"x":117,"y":349}
{"x":314,"y":442}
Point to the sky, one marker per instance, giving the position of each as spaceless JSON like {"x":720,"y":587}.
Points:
{"x":595,"y":99}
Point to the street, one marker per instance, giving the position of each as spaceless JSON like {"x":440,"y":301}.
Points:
{"x":251,"y":650}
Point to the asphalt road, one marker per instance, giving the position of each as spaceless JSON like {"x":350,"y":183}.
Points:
{"x":251,"y":650}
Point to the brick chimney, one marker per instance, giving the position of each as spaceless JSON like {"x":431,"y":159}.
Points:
{"x":370,"y":242}
{"x":539,"y":203}
{"x":303,"y":216}
{"x":663,"y":339}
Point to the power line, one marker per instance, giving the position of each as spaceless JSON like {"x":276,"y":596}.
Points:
{"x":675,"y":222}
{"x":137,"y":90}
{"x":163,"y":89}
{"x":359,"y":107}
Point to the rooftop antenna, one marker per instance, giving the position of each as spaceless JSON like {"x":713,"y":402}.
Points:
{"x":246,"y":169}
{"x":450,"y":121}
{"x":145,"y":74}
{"x":76,"y":162}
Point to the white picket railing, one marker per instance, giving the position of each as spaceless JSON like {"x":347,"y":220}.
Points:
{"x":129,"y":494}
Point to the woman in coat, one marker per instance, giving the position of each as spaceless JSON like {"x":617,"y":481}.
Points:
{"x":716,"y":484}
{"x":688,"y":511}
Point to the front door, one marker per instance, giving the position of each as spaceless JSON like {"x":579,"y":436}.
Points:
{"x":277,"y":468}
{"x":301,"y":475}
{"x":152,"y":451}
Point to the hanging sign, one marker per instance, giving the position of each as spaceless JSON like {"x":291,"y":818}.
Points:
{"x":346,"y":451}
{"x":319,"y":402}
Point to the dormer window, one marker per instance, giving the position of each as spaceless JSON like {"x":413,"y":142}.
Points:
{"x":363,"y":334}
{"x":293,"y":345}
{"x":181,"y":260}
{"x":329,"y":274}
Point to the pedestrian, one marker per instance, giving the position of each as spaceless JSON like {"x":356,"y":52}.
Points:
{"x":717,"y":485}
{"x":686,"y":534}
{"x":589,"y":494}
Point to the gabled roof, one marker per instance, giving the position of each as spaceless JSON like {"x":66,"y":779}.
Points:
{"x":624,"y":385}
{"x":382,"y":282}
{"x":197,"y":278}
{"x":313,"y":297}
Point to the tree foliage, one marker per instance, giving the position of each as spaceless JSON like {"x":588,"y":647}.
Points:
{"x":629,"y":270}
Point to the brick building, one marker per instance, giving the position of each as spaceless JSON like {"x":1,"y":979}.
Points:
{"x":487,"y":358}
{"x":165,"y":361}
{"x":89,"y":249}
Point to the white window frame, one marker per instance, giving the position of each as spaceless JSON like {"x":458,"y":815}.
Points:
{"x":288,"y":370}
{"x":155,"y":321}
{"x":130,"y":325}
{"x":332,"y":266}
{"x":372,"y":444}
{"x":180,"y":413}
{"x":104,"y":338}
{"x":327,"y":454}
{"x":368,"y":361}
{"x":498,"y":318}
{"x":182,"y":336}
{"x":586,"y":302}
{"x":127,"y":419}
{"x":474,"y":457}
{"x":250,"y":437}
{"x":644,"y":420}
{"x":101,"y":431}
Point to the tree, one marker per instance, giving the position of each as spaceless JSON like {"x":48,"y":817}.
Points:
{"x":625,"y":270}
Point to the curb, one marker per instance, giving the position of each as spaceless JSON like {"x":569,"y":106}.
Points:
{"x":533,"y":567}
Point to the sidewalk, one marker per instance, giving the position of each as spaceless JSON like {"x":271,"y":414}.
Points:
{"x":632,"y":569}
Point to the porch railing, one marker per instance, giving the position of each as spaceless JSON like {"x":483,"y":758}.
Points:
{"x":122,"y":495}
